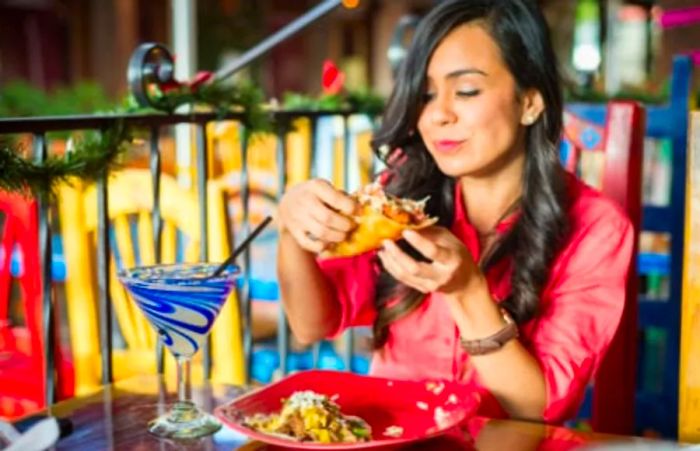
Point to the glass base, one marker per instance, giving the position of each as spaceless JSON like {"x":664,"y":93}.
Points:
{"x":184,"y":420}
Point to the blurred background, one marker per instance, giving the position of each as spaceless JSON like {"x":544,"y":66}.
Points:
{"x":606,"y":47}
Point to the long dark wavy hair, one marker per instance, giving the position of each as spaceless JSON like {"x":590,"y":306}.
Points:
{"x":520,"y":31}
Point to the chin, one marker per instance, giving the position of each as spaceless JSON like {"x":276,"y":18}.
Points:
{"x":456,"y":169}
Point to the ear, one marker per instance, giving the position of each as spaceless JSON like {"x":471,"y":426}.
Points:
{"x":533,"y":106}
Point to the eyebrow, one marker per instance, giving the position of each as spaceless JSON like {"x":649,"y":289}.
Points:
{"x":468,"y":71}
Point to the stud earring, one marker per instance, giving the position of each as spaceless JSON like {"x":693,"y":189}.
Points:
{"x":529,"y":120}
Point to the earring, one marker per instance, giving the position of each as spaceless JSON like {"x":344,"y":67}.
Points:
{"x":529,"y":120}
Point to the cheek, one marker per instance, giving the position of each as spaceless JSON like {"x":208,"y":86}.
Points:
{"x":423,"y":125}
{"x":492,"y":121}
{"x":487,"y":112}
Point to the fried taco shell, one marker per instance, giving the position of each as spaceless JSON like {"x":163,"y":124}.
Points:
{"x":380,"y":217}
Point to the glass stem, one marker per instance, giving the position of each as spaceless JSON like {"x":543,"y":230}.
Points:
{"x":183,"y":380}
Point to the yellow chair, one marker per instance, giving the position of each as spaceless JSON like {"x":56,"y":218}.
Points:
{"x":225,"y":154}
{"x":365,"y":158}
{"x":224,"y":144}
{"x":130,"y":202}
{"x":225,"y":166}
{"x":225,"y":163}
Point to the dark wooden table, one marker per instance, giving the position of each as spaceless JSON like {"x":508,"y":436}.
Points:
{"x":115,"y":418}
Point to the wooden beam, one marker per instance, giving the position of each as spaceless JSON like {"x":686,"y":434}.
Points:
{"x":689,"y":391}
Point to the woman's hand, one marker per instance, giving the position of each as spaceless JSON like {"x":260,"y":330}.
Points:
{"x":316,"y":214}
{"x":451,"y":269}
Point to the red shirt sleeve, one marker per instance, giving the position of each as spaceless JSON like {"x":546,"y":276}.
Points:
{"x":354,"y":280}
{"x":581,"y":310}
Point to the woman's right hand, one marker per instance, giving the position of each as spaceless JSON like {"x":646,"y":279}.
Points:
{"x":316,"y":214}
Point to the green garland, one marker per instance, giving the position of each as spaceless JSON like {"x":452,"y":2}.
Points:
{"x":97,"y":153}
{"x":363,"y":102}
{"x":93,"y":155}
{"x":219,"y":97}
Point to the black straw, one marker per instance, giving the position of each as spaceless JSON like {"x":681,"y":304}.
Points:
{"x":241,"y":247}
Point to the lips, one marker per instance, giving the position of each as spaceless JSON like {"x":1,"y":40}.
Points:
{"x":447,"y":145}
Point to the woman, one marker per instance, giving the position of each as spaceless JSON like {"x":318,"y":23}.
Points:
{"x":520,"y":286}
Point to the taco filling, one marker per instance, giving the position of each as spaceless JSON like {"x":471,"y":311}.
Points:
{"x":380,"y":216}
{"x":403,"y":211}
{"x":307,"y":416}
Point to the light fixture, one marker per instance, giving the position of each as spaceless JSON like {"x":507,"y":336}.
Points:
{"x":351,"y":4}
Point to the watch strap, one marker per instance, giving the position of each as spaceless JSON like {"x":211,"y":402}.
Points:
{"x":493,"y":342}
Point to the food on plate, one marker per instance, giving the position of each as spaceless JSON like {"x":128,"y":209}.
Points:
{"x":435,"y":387}
{"x":442,"y":418}
{"x":307,"y":416}
{"x":380,"y":216}
{"x":393,"y":431}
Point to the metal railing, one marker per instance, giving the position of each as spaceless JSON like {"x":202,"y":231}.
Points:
{"x":38,"y":127}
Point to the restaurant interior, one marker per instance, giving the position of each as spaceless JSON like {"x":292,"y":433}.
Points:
{"x":166,"y":133}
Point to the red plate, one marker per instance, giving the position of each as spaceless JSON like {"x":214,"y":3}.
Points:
{"x":422,"y":409}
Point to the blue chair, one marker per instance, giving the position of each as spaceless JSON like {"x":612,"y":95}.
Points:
{"x":659,"y":319}
{"x":266,"y":361}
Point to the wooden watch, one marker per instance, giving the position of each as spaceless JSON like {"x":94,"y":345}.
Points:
{"x":494,"y":342}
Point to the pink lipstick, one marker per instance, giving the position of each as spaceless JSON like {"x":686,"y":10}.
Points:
{"x":446,"y":145}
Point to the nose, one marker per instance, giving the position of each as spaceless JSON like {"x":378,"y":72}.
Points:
{"x":441,"y":111}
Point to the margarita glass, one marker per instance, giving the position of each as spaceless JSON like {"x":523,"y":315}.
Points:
{"x":181,"y":301}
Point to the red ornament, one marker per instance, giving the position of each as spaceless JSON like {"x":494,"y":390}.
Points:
{"x":333,"y":78}
{"x":201,"y":78}
{"x":170,"y":86}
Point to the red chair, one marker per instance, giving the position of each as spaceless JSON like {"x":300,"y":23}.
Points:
{"x":620,"y":143}
{"x":22,"y":372}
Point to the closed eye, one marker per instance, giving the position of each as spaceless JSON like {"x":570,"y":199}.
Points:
{"x":467,"y":94}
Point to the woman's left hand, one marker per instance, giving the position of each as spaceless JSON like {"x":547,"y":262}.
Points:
{"x":451,"y":269}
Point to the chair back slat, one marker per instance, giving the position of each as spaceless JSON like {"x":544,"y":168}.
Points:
{"x":123,"y":310}
{"x":80,"y":285}
{"x":365,"y":155}
{"x":192,"y":252}
{"x":614,"y":396}
{"x":168,"y":243}
{"x":131,"y":322}
{"x":146,"y":240}
{"x":298,"y":153}
{"x":610,"y":157}
{"x":123,"y":242}
{"x":226,"y":338}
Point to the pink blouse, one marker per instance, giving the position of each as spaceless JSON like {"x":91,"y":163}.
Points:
{"x":580,"y":310}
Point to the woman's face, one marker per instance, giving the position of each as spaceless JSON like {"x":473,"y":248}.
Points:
{"x":472,"y":116}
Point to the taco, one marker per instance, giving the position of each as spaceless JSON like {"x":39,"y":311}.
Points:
{"x":380,"y":216}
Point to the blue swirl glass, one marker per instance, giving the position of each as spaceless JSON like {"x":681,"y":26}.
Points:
{"x":182,"y":302}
